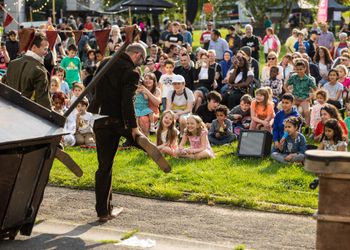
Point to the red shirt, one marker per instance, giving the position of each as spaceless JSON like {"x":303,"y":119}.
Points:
{"x":320,"y":127}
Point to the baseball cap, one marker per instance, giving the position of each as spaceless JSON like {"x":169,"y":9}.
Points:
{"x":178,"y":78}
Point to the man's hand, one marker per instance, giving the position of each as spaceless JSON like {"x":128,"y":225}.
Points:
{"x":135,"y":132}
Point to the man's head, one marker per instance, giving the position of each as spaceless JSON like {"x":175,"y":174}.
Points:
{"x":214,"y":99}
{"x":215,"y":34}
{"x":153,"y":50}
{"x":209,"y":26}
{"x":248,"y":30}
{"x":150,"y":64}
{"x":324,"y":26}
{"x":40,"y":45}
{"x":185,"y":60}
{"x":247,"y":50}
{"x":137,"y":53}
{"x":176,"y":27}
{"x":231,"y":30}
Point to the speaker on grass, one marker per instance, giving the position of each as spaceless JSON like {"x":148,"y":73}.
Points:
{"x":254,"y":143}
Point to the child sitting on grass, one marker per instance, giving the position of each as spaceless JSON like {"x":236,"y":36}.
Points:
{"x":84,"y":124}
{"x":220,"y":132}
{"x":197,"y":134}
{"x":292,"y":146}
{"x":288,"y":110}
{"x":167,"y":134}
{"x":321,"y":98}
{"x":333,"y":137}
{"x":262,"y":111}
{"x":240,"y":115}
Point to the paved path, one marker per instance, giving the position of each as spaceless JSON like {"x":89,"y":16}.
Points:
{"x":173,"y":225}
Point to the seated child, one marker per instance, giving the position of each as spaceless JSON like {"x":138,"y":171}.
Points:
{"x":58,"y":100}
{"x":292,"y":146}
{"x":321,"y":98}
{"x":167,"y":133}
{"x":197,"y":134}
{"x":262,"y":111}
{"x":274,"y":83}
{"x":240,"y":115}
{"x":85,"y":121}
{"x":329,"y":111}
{"x":334,"y":89}
{"x":288,"y":110}
{"x":142,"y":107}
{"x":333,"y":137}
{"x":220,"y":132}
{"x":207,"y":110}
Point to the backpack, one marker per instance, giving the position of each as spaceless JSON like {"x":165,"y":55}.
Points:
{"x":174,"y":93}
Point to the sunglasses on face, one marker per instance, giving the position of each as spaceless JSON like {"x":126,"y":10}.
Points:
{"x":271,"y":58}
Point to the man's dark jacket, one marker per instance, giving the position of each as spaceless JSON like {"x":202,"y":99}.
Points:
{"x":114,"y":94}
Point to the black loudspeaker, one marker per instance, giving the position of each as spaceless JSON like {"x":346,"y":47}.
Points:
{"x":254,"y":143}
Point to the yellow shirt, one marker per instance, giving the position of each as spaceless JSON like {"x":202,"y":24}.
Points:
{"x":290,"y":43}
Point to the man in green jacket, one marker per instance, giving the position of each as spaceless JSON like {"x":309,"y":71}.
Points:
{"x":28,"y":74}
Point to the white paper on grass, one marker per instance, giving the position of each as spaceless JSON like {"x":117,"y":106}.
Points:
{"x":134,"y":241}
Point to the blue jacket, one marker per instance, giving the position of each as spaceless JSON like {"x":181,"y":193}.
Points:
{"x":297,"y":145}
{"x":278,"y":126}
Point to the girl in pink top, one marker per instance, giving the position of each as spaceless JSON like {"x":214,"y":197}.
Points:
{"x":343,"y":79}
{"x":197,"y":134}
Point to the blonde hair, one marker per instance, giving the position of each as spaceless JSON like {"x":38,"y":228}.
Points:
{"x":56,"y":80}
{"x":343,"y":67}
{"x":199,"y":122}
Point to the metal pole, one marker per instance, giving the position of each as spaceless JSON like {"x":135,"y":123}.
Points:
{"x":130,"y":21}
{"x":31,"y":14}
{"x":53,"y":11}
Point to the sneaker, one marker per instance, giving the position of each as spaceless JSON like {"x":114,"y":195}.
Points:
{"x":152,"y":128}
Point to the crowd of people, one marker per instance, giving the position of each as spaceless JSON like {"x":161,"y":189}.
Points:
{"x":194,"y":99}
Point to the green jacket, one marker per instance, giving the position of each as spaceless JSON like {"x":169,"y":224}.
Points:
{"x":30,"y":77}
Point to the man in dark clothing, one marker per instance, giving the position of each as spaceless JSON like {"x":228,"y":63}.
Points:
{"x":28,"y":74}
{"x":254,"y":64}
{"x":233,"y":40}
{"x":114,"y":106}
{"x":252,"y":41}
{"x":311,"y":41}
{"x":186,"y":71}
{"x":12,"y":45}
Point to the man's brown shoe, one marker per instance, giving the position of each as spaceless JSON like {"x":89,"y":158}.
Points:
{"x":106,"y":218}
{"x":153,"y":152}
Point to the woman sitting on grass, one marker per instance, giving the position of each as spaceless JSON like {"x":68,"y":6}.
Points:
{"x":197,"y":134}
{"x":167,"y":133}
{"x":292,"y":146}
{"x":333,"y":137}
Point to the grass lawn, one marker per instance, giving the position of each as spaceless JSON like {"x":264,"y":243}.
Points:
{"x":250,"y":183}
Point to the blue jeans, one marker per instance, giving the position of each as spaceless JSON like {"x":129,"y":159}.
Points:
{"x":221,"y":140}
